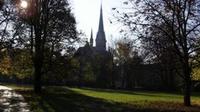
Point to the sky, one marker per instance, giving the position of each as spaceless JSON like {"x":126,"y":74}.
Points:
{"x":87,"y":16}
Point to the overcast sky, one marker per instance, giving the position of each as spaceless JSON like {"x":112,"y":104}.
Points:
{"x":87,"y":16}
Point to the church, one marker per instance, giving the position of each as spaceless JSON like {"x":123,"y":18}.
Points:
{"x":100,"y":37}
{"x":95,"y":62}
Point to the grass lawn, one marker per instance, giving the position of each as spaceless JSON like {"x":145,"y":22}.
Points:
{"x":65,"y":99}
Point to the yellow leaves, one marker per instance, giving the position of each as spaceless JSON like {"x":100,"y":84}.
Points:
{"x":5,"y":65}
{"x":3,"y":50}
{"x":196,"y":74}
{"x":124,"y":49}
{"x":20,"y":65}
{"x":75,"y":63}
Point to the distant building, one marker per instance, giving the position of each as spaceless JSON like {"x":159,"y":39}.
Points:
{"x":100,"y":40}
{"x":98,"y":58}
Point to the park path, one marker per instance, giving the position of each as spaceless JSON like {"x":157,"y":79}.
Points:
{"x":10,"y":101}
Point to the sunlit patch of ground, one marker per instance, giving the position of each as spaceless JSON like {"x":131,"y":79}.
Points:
{"x":64,"y":99}
{"x":10,"y":101}
{"x":143,"y":101}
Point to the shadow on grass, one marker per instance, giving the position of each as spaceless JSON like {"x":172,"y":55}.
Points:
{"x":65,"y":100}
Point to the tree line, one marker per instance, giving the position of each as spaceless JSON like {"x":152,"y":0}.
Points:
{"x":169,"y":30}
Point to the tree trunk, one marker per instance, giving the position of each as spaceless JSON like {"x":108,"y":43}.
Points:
{"x":187,"y":94}
{"x":172,"y":80}
{"x":32,"y":42}
{"x":187,"y":99}
{"x":37,"y":76}
{"x":38,"y":61}
{"x":187,"y":88}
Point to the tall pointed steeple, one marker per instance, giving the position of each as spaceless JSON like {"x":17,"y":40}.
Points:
{"x":101,"y":26}
{"x":91,"y":39}
{"x":101,"y":38}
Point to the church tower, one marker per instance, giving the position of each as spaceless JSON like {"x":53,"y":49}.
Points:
{"x":101,"y":38}
{"x":91,"y":39}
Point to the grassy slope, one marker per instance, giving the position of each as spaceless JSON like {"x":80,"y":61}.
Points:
{"x":155,"y":101}
{"x":136,"y":96}
{"x":64,"y":99}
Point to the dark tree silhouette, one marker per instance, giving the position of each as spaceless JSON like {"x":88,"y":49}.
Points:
{"x":159,"y":49}
{"x":126,"y":59}
{"x":1,"y":3}
{"x":51,"y":25}
{"x":181,"y":21}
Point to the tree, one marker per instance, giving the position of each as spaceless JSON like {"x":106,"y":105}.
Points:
{"x":127,"y":58}
{"x":158,"y":49}
{"x":1,"y":3}
{"x":5,"y":19}
{"x":51,"y":25}
{"x":181,"y":21}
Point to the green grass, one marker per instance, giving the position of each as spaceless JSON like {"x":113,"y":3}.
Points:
{"x":19,"y":87}
{"x":130,"y":96}
{"x":65,"y":99}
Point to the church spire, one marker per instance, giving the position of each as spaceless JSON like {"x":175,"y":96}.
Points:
{"x":101,"y":39}
{"x":101,"y":26}
{"x":91,"y":38}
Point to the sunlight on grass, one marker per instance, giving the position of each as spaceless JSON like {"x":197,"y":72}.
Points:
{"x":128,"y":96}
{"x":20,"y":87}
{"x":65,"y":99}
